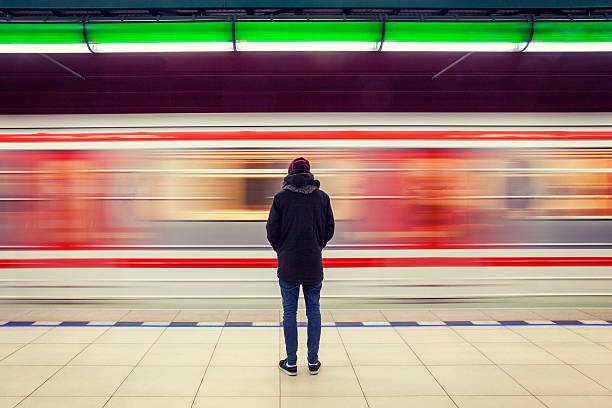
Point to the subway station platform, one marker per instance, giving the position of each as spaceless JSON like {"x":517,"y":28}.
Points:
{"x":466,"y":358}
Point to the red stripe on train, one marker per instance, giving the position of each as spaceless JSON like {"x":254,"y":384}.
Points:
{"x":297,"y":135}
{"x":328,"y":263}
{"x":430,"y":246}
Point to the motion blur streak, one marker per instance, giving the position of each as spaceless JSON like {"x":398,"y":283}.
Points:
{"x":154,"y":217}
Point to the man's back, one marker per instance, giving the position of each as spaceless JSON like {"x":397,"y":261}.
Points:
{"x":300,"y":224}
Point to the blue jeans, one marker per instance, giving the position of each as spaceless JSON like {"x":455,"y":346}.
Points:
{"x":290,"y":294}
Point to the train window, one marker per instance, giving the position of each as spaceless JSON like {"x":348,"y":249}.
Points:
{"x":260,"y":187}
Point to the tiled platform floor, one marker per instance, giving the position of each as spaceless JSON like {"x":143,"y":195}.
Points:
{"x":453,"y":366}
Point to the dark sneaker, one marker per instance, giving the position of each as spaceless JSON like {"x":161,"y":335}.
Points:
{"x":314,"y":368}
{"x":287,"y":369}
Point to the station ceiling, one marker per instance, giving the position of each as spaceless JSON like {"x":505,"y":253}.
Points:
{"x":33,"y":83}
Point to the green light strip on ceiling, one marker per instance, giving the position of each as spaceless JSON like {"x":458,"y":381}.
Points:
{"x":276,"y":31}
{"x":15,"y":33}
{"x":513,"y":32}
{"x":573,"y":32}
{"x":271,"y":31}
{"x":159,"y":32}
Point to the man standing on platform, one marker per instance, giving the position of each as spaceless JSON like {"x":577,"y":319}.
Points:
{"x":300,"y":224}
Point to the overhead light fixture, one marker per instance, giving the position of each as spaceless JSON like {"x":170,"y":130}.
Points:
{"x":115,"y":37}
{"x":162,"y":47}
{"x":307,"y":46}
{"x":41,"y":38}
{"x":572,"y":37}
{"x":307,"y":35}
{"x":453,"y":46}
{"x":43,"y":48}
{"x":538,"y":46}
{"x":218,"y":36}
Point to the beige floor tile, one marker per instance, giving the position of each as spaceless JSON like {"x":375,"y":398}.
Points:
{"x":416,"y":401}
{"x":150,"y":315}
{"x":574,"y":401}
{"x":21,"y":334}
{"x":13,"y":314}
{"x":234,"y":402}
{"x":497,"y":401}
{"x":381,"y":354}
{"x":536,"y":323}
{"x":9,"y":402}
{"x":604,"y":314}
{"x":111,"y":354}
{"x":51,"y":315}
{"x":76,"y":381}
{"x":579,"y":353}
{"x":516,"y":353}
{"x":149,"y":402}
{"x":598,"y":334}
{"x":547,"y":333}
{"x":330,"y":382}
{"x":44,"y":323}
{"x":602,"y":373}
{"x":102,"y":323}
{"x":232,"y":354}
{"x":323,"y":402}
{"x":554,"y":380}
{"x":178,"y":355}
{"x":22,"y":380}
{"x":253,"y":316}
{"x":9,"y":348}
{"x":190,"y":335}
{"x":44,"y":354}
{"x":162,"y":382}
{"x":328,"y":335}
{"x":201,"y":315}
{"x":131,"y":335}
{"x":369,"y":335}
{"x":391,"y":381}
{"x":100,"y":314}
{"x":341,"y":315}
{"x":513,"y":314}
{"x":449,"y":354}
{"x":408,"y":315}
{"x":429,"y":334}
{"x":240,"y":381}
{"x":489,"y":322}
{"x":66,"y":334}
{"x":63,"y":402}
{"x":563,"y":314}
{"x":489,"y":334}
{"x":251,"y":335}
{"x":330,"y":354}
{"x":460,"y":314}
{"x":476,"y":380}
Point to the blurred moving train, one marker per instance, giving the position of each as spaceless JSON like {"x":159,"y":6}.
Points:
{"x":432,"y":209}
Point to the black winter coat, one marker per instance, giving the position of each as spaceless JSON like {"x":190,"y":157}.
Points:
{"x":300,"y":224}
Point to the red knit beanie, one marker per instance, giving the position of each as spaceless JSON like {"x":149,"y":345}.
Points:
{"x":299,"y":163}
